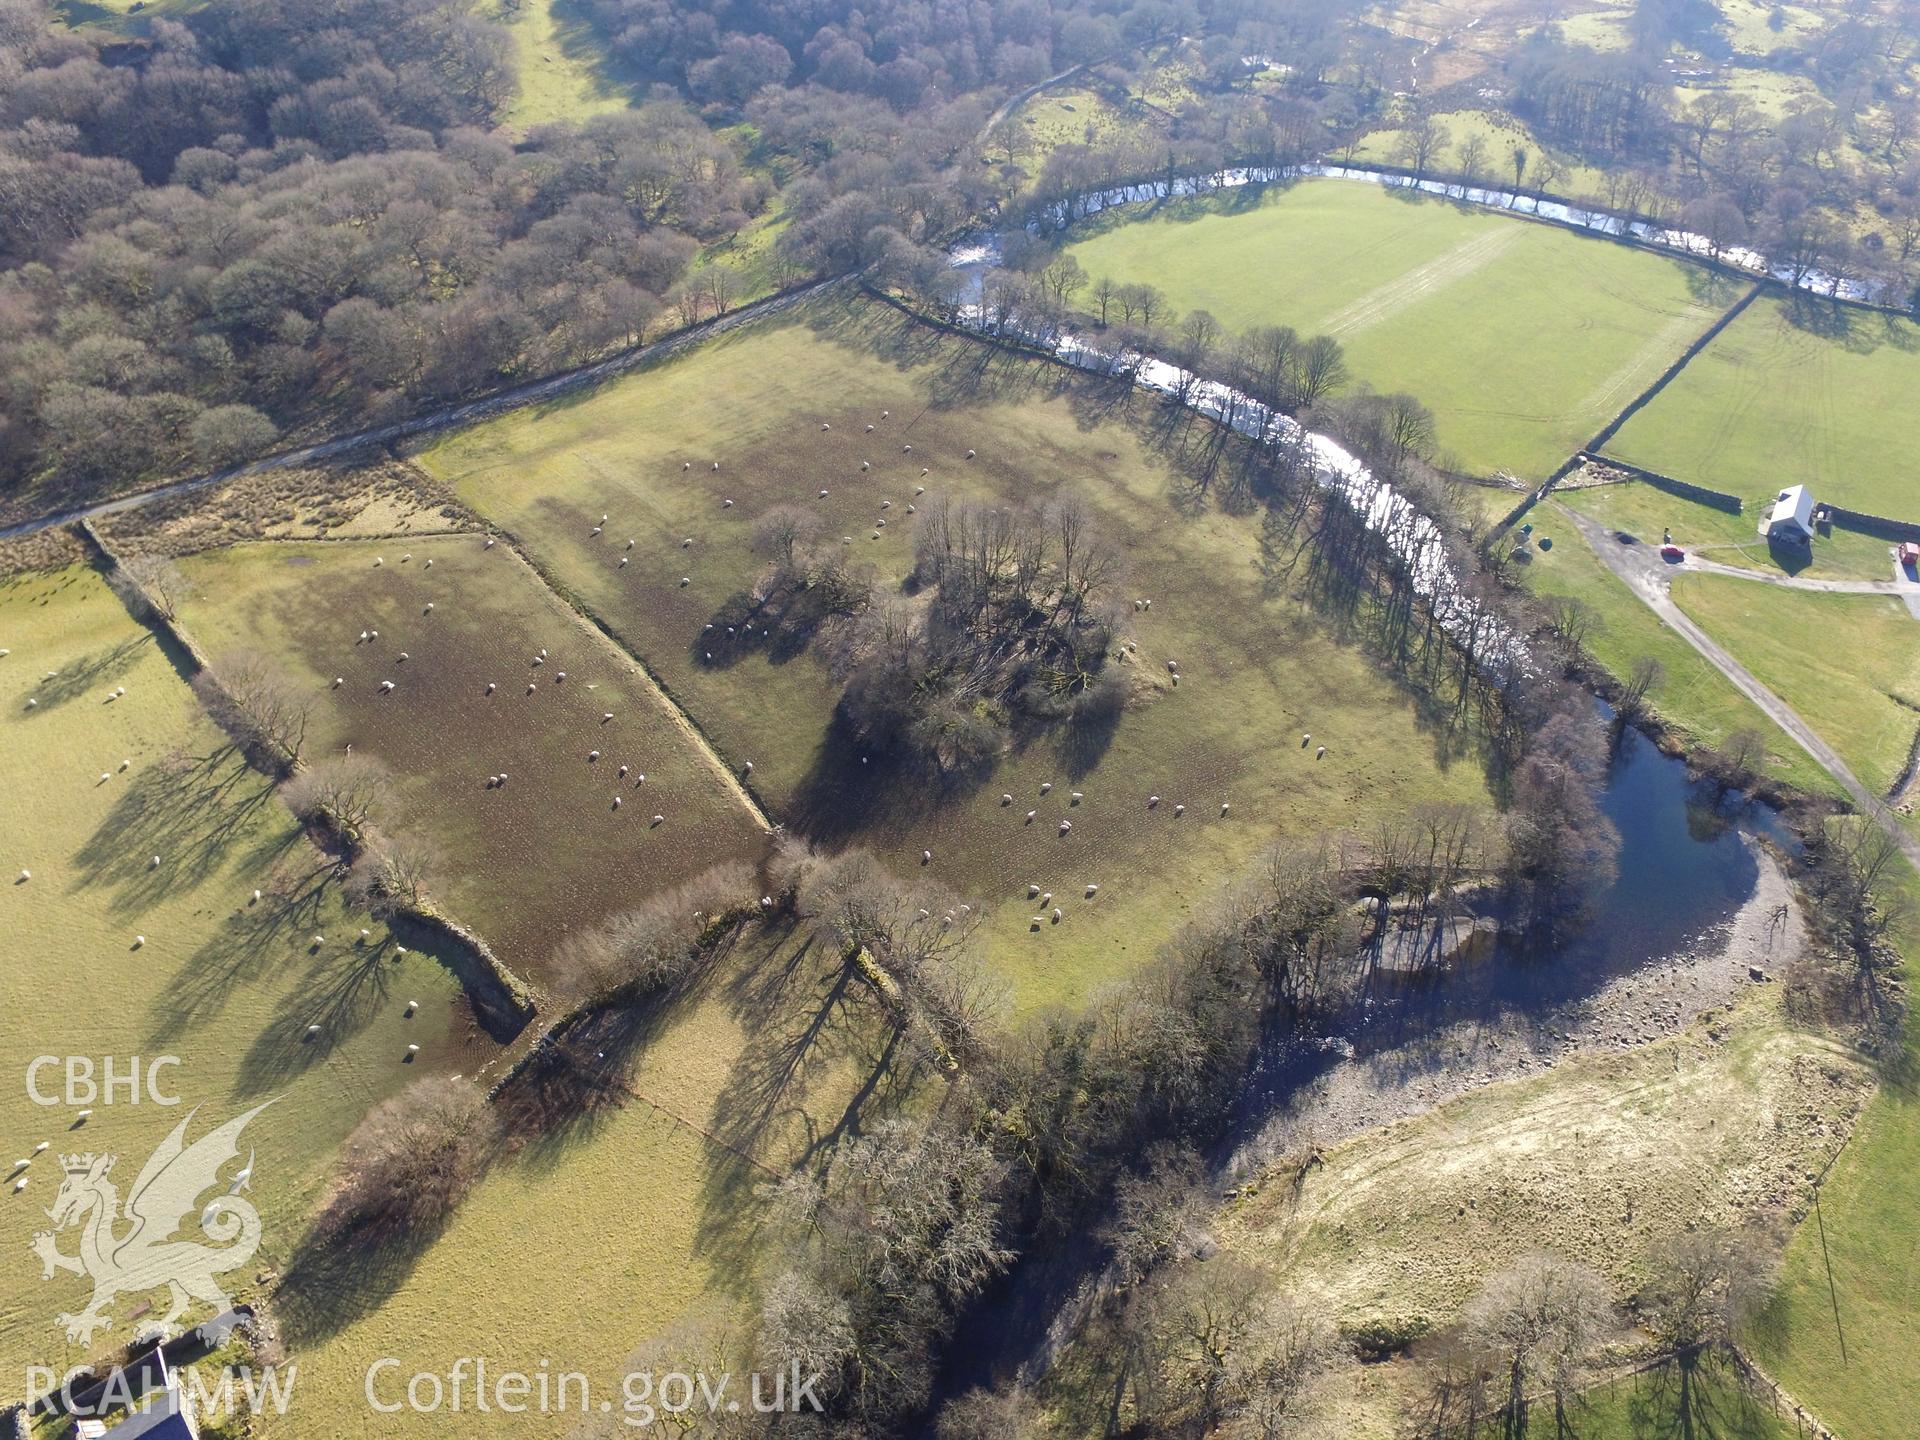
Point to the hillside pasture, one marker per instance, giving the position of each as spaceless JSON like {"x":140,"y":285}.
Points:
{"x":1794,"y":390}
{"x":1598,"y":1158}
{"x":1523,"y":338}
{"x":1257,"y":669}
{"x":223,"y":982}
{"x":546,"y":852}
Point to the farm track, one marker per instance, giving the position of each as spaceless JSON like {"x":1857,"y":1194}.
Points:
{"x":534,"y":392}
{"x":1638,"y":573}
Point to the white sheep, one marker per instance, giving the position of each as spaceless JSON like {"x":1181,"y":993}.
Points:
{"x":1065,"y":826}
{"x":658,"y":820}
{"x":25,"y":875}
{"x":32,"y":703}
{"x":1092,"y":890}
{"x":404,"y":657}
{"x":489,"y":544}
{"x":823,"y":494}
{"x":138,"y":941}
{"x":406,"y":557}
{"x":747,"y":769}
{"x":1047,"y":899}
{"x":592,"y":755}
{"x":1224,"y":807}
{"x":926,"y":857}
{"x":154,"y":864}
{"x":623,"y":562}
{"x":1152,"y":801}
{"x":338,"y":681}
{"x":105,"y":776}
{"x":726,"y":504}
{"x":869,"y":429}
{"x":1046,"y":786}
{"x":1179,"y":810}
{"x":716,"y":466}
{"x":1030,"y":816}
{"x":429,"y":562}
{"x":1056,"y":914}
{"x":385,"y":686}
{"x":1032,"y":890}
{"x":685,"y":580}
{"x":531,"y":687}
{"x":256,"y":898}
{"x":1005,"y":799}
{"x":969,"y":454}
{"x":1320,"y":754}
{"x":429,"y":608}
{"x":1075,"y":798}
{"x":491,"y":687}
{"x":864,"y":467}
{"x":616,"y":802}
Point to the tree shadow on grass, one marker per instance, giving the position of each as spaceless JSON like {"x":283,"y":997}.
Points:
{"x":78,"y":679}
{"x":778,"y":626}
{"x":1699,"y":1397}
{"x":802,"y":1007}
{"x":329,"y":1284}
{"x":341,"y":993}
{"x":195,"y":815}
{"x":254,"y":940}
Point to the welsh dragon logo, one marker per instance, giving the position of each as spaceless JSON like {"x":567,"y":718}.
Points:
{"x":134,"y":1252}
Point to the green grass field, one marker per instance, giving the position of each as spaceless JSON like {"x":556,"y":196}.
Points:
{"x":1649,"y":1406}
{"x":1648,"y":512}
{"x":1848,"y":664}
{"x":565,"y":72}
{"x":1792,"y":391}
{"x":226,"y":985}
{"x":1860,"y":1373}
{"x":603,"y":1234}
{"x":1524,"y":339}
{"x":1696,"y":700}
{"x":1257,"y":670}
{"x":548,"y":851}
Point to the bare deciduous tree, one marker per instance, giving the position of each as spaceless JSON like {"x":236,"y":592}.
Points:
{"x":411,"y":1161}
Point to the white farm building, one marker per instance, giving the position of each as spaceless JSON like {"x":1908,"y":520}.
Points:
{"x":1791,"y":519}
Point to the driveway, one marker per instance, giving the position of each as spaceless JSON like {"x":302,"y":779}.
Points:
{"x":1651,"y":578}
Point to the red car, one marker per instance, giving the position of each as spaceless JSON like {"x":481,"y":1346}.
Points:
{"x":1672,"y":552}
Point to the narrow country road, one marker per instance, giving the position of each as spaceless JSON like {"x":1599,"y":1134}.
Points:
{"x":1899,"y":588}
{"x":1647,"y":576}
{"x":531,"y":393}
